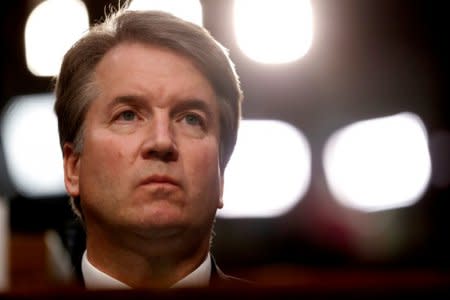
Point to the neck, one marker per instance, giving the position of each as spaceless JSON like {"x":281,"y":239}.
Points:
{"x":146,"y":262}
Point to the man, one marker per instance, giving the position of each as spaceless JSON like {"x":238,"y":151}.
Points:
{"x":148,"y":107}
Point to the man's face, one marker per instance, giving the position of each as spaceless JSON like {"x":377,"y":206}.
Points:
{"x":150,"y":158}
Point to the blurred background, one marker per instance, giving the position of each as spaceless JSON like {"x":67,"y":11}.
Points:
{"x":341,"y":174}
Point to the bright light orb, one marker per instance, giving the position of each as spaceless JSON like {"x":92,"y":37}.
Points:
{"x":379,"y":164}
{"x":31,"y":145}
{"x":51,"y":29}
{"x":269,"y":171}
{"x":273,"y":31}
{"x":189,"y":10}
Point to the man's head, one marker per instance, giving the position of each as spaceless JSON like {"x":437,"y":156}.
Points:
{"x":151,"y":34}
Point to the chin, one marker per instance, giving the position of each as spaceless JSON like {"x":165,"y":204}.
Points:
{"x":160,"y":218}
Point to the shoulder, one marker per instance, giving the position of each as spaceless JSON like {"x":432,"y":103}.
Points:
{"x":220,"y":279}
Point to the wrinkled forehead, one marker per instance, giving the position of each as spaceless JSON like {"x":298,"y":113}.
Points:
{"x":155,"y":74}
{"x":132,"y":51}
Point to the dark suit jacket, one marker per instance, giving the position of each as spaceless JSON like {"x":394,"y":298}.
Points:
{"x":218,"y":278}
{"x":74,"y":239}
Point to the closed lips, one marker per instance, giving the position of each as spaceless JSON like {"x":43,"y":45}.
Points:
{"x":159,"y":179}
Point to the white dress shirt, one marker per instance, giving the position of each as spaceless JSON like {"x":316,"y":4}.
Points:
{"x":96,"y":279}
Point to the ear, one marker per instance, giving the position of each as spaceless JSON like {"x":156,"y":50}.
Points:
{"x":71,"y":170}
{"x":220,"y":204}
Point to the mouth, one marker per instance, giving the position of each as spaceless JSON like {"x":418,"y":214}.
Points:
{"x":160,"y":180}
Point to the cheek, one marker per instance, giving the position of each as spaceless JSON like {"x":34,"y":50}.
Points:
{"x":104,"y":157}
{"x":202,"y":166}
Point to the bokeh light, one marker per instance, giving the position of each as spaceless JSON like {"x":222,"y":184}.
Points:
{"x":273,"y":31}
{"x":51,"y":29}
{"x":31,"y":145}
{"x":269,"y":171}
{"x":379,"y":164}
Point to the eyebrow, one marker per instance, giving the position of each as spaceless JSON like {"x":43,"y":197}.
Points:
{"x":132,"y":100}
{"x":183,"y":105}
{"x":193,"y":104}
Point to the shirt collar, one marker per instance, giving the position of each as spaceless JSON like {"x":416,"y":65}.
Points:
{"x":96,"y":279}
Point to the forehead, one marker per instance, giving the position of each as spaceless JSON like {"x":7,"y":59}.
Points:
{"x":143,"y":59}
{"x":148,"y":70}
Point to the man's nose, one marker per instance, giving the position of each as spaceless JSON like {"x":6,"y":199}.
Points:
{"x":160,"y":142}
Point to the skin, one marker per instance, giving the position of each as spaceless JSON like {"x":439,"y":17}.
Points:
{"x":148,"y":176}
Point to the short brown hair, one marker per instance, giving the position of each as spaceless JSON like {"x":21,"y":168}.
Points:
{"x":75,"y":88}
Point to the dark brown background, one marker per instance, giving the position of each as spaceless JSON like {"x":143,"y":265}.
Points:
{"x":368,"y":59}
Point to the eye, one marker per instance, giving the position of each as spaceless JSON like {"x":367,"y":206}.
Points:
{"x":193,"y":119}
{"x":127,"y":115}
